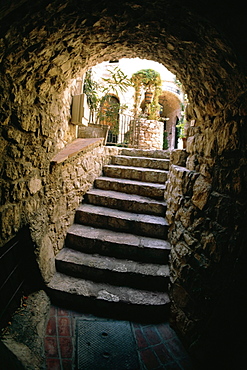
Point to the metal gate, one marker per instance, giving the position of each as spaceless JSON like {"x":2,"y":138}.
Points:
{"x":123,"y":135}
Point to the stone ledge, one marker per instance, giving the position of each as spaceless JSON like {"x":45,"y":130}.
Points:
{"x":77,"y":146}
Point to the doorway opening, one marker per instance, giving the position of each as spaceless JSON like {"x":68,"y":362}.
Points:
{"x":109,"y":100}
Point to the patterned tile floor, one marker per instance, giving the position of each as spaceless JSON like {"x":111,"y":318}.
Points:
{"x":158,"y":345}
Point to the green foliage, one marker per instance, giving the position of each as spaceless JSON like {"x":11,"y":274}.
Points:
{"x":165,"y":141}
{"x":153,"y":111}
{"x":109,"y":112}
{"x":90,"y":88}
{"x":117,"y":82}
{"x":99,"y":96}
{"x":147,"y":80}
{"x":182,"y":123}
{"x":180,"y":127}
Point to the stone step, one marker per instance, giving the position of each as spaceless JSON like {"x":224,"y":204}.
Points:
{"x":113,"y":271}
{"x":115,"y":259}
{"x":107,"y":218}
{"x":136,"y":173}
{"x":153,"y":153}
{"x":105,"y":299}
{"x":147,"y":162}
{"x":146,"y":189}
{"x":117,"y":244}
{"x":125,"y":202}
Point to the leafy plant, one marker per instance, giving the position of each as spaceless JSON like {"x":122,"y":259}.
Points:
{"x":147,"y":80}
{"x":117,"y":82}
{"x":182,"y":123}
{"x":109,"y":112}
{"x":180,"y":127}
{"x":90,"y":88}
{"x":165,"y":141}
{"x":100,"y":96}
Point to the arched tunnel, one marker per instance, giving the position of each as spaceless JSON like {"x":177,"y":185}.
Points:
{"x":43,"y":46}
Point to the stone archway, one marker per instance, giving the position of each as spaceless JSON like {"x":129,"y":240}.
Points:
{"x":171,"y":111}
{"x":44,"y":45}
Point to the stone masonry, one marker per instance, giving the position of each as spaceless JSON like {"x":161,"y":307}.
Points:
{"x":146,"y":134}
{"x":65,"y":183}
{"x":44,"y":45}
{"x":115,"y":258}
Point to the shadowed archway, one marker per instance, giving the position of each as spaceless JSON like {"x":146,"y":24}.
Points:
{"x":46,"y":44}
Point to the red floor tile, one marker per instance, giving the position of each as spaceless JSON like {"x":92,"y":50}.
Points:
{"x":149,"y":359}
{"x":51,"y":326}
{"x":51,"y":349}
{"x":172,"y":366}
{"x":53,"y":364}
{"x":66,"y":347}
{"x":67,"y":364}
{"x":158,"y":345}
{"x":140,"y":340}
{"x":151,"y":335}
{"x":165,"y":331}
{"x":64,"y":326}
{"x":176,"y":348}
{"x":162,"y":353}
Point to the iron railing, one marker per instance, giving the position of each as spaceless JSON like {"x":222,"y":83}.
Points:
{"x":122,"y":137}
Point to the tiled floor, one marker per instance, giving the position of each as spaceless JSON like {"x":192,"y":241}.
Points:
{"x":158,"y":345}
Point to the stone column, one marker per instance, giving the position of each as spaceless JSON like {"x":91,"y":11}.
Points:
{"x":147,"y":134}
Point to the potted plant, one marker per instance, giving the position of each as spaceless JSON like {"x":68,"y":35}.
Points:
{"x":149,"y":81}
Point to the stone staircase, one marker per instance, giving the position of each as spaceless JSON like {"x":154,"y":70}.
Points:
{"x":115,"y":257}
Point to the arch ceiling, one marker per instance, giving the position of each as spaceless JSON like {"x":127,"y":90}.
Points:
{"x":46,"y":43}
{"x":55,"y":40}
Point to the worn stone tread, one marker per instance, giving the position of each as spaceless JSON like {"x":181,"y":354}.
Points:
{"x":117,"y":244}
{"x":121,"y":214}
{"x":135,"y":161}
{"x":148,"y":189}
{"x":106,"y":292}
{"x":125,"y":202}
{"x":115,"y":259}
{"x":136,"y":173}
{"x":153,"y":153}
{"x":113,"y":271}
{"x":111,"y":263}
{"x":116,"y":219}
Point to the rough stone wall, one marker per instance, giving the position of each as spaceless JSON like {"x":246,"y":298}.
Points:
{"x":146,"y":134}
{"x":45,"y":196}
{"x":65,"y":186}
{"x":44,"y":44}
{"x":207,"y":214}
